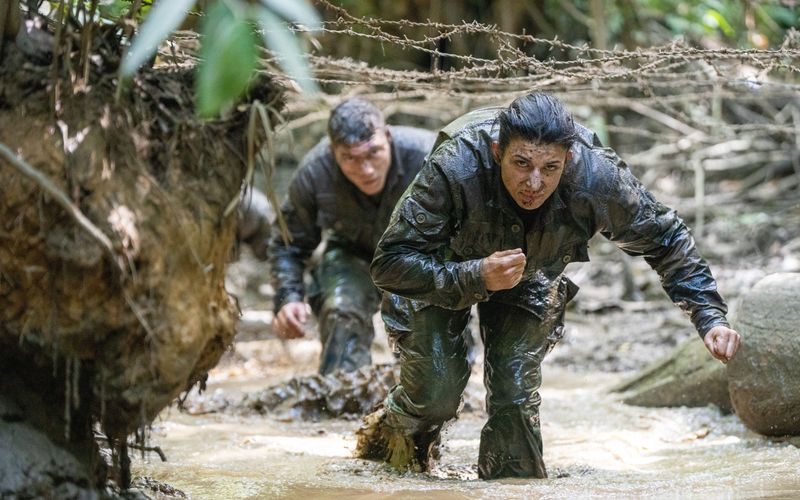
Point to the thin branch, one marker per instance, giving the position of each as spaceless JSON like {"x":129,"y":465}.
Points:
{"x":50,"y":188}
{"x":156,"y":449}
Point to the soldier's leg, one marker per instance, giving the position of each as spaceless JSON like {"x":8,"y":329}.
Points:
{"x":515,"y":343}
{"x":344,"y":300}
{"x":433,"y":373}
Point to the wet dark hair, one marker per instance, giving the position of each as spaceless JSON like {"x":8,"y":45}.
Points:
{"x":354,"y":120}
{"x":538,"y":118}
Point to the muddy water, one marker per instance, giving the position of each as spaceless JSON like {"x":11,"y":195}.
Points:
{"x":594,"y":447}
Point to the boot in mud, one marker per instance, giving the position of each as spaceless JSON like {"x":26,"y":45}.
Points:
{"x":379,"y":441}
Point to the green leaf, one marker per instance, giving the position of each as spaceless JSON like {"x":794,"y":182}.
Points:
{"x":164,"y":17}
{"x":113,"y":9}
{"x":278,"y":38}
{"x":713,"y":19}
{"x":296,"y":11}
{"x":228,"y":58}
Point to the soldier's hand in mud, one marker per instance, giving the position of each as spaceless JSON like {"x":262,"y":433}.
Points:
{"x":722,"y":342}
{"x":289,"y":321}
{"x":503,"y":270}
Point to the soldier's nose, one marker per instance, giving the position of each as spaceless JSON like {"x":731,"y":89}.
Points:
{"x":534,"y":181}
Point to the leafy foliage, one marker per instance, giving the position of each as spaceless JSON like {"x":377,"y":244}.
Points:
{"x":229,"y":53}
{"x":228,"y":57}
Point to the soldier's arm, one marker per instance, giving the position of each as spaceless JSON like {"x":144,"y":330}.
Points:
{"x":628,"y":214}
{"x":288,"y":259}
{"x":410,"y":260}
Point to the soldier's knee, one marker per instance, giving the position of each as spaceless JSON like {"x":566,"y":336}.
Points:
{"x":346,"y":306}
{"x":443,"y":407}
{"x":438,"y":398}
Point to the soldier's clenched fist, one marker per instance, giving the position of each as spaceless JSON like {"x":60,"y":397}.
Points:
{"x":503,"y":270}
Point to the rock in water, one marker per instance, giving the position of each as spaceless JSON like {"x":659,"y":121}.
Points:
{"x":764,"y":376}
{"x":689,"y":376}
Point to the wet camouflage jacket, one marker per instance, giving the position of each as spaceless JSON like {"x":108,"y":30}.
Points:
{"x":322,"y":203}
{"x":456,"y":212}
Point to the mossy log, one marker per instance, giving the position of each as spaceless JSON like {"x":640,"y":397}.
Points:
{"x":688,"y":376}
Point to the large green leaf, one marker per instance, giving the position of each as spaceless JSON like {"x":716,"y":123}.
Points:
{"x":278,"y":38}
{"x":164,"y":17}
{"x":228,"y":58}
{"x":295,"y":11}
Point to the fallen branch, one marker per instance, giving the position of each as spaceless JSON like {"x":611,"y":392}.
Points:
{"x":73,"y":211}
{"x":155,"y":449}
{"x":664,"y":119}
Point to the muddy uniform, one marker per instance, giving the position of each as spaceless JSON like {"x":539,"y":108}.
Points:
{"x":457,"y":212}
{"x":322,"y":203}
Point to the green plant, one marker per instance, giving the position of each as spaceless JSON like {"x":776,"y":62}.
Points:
{"x":229,"y":44}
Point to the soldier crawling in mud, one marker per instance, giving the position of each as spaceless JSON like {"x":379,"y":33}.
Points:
{"x":507,"y":199}
{"x":344,"y":191}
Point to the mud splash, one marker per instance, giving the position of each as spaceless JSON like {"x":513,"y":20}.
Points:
{"x":312,"y":397}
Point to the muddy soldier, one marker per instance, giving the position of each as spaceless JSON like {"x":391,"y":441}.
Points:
{"x":507,"y":199}
{"x":344,"y":191}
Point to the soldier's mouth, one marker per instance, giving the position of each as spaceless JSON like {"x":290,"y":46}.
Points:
{"x":528,"y":198}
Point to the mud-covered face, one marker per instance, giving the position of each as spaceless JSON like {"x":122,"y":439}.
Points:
{"x":366,"y":164}
{"x":531,"y":171}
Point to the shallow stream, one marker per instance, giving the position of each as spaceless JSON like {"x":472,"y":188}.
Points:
{"x":594,"y":446}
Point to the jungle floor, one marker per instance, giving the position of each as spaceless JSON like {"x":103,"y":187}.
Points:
{"x":594,"y":445}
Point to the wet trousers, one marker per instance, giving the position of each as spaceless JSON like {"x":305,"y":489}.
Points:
{"x":434,"y":373}
{"x":344,"y":299}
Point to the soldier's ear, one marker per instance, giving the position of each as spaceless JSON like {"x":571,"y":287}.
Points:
{"x":496,"y":152}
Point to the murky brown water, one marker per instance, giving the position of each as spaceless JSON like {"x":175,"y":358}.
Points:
{"x":594,"y":447}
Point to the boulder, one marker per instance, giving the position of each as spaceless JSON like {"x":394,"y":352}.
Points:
{"x":764,"y":377}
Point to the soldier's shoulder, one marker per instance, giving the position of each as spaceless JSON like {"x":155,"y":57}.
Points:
{"x":594,"y":167}
{"x":471,"y":122}
{"x":315,"y":166}
{"x":318,"y":158}
{"x":412,"y":138}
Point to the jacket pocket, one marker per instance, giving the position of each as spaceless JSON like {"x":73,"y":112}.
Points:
{"x":570,"y":250}
{"x":422,"y":220}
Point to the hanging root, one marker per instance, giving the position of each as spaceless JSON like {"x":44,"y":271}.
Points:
{"x":379,"y":441}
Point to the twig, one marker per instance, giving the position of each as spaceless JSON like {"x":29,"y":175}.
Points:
{"x":5,"y":9}
{"x":156,"y":449}
{"x":56,"y":58}
{"x":663,"y":118}
{"x":269,"y":169}
{"x":62,"y":199}
{"x":248,"y":176}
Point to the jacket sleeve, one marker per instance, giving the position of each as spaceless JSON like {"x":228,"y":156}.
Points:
{"x":288,"y":260}
{"x":410,"y":260}
{"x":628,"y":214}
